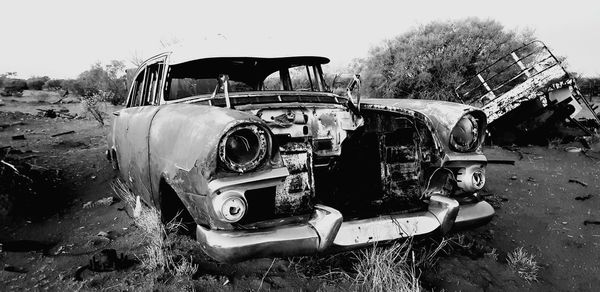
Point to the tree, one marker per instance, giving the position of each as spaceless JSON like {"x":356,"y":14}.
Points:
{"x":430,"y":61}
{"x":107,"y":81}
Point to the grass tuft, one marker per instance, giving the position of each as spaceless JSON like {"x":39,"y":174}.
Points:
{"x":390,"y":268}
{"x":523,"y":264}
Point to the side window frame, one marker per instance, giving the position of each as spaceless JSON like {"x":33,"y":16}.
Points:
{"x":148,"y":85}
{"x":135,"y":93}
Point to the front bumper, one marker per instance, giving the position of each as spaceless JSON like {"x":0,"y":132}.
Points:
{"x":327,"y":231}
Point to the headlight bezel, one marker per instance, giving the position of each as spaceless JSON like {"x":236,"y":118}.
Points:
{"x":476,"y":132}
{"x":263,"y":144}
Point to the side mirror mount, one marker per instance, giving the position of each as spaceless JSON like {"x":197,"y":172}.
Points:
{"x":354,"y":100}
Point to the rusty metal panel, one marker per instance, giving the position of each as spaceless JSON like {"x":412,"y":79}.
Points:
{"x":296,"y":193}
{"x":528,"y":90}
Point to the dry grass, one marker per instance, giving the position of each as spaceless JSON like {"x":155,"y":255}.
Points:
{"x":390,"y":268}
{"x":492,"y":254}
{"x":523,"y":264}
{"x":91,"y":104}
{"x":185,"y":268}
{"x":428,"y":257}
{"x":158,"y":253}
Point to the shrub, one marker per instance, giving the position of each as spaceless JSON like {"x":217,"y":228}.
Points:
{"x":37,"y":83}
{"x":54,"y":84}
{"x":14,"y":87}
{"x":523,"y":264}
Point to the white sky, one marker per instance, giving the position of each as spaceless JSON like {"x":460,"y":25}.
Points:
{"x":62,"y":38}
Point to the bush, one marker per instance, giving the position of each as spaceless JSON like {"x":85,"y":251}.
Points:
{"x":37,"y":83}
{"x":54,"y":84}
{"x":14,"y":87}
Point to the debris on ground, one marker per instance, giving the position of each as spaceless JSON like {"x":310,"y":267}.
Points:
{"x":583,"y":198}
{"x":514,"y":177}
{"x":591,"y":222}
{"x":102,"y":202}
{"x":531,"y":179}
{"x":107,"y":261}
{"x":63,"y":133}
{"x":52,"y":113}
{"x":14,"y":269}
{"x":501,"y":161}
{"x":573,"y":149}
{"x":48,"y":113}
{"x":19,"y":123}
{"x":572,"y":180}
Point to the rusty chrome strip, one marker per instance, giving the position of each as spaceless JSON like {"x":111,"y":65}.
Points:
{"x":356,"y":233}
{"x":253,"y":178}
{"x":473,"y":215}
{"x":294,"y":239}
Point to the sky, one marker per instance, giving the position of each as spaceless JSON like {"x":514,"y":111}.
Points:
{"x":62,"y":38}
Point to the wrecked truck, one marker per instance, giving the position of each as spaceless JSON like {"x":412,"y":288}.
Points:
{"x":267,"y":162}
{"x":526,"y":95}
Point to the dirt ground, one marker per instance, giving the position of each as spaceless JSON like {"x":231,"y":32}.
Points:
{"x":47,"y":244}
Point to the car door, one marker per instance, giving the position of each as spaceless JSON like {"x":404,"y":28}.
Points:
{"x":131,"y":127}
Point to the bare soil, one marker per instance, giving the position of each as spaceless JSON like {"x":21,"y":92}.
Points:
{"x":49,"y":237}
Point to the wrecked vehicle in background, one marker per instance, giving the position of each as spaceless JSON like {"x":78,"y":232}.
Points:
{"x":526,"y":94}
{"x":268,"y":162}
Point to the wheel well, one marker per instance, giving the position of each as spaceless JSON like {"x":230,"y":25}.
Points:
{"x":171,"y":207}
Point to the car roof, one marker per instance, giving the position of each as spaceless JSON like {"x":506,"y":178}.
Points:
{"x":190,"y":51}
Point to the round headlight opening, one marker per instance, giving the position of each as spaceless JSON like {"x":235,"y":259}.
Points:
{"x":244,"y":148}
{"x":465,"y":134}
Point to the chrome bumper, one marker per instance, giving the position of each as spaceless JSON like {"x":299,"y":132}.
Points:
{"x":327,"y":231}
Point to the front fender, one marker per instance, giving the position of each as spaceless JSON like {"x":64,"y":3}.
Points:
{"x":443,"y":115}
{"x":183,"y":144}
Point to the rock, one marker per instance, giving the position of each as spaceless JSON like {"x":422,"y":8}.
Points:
{"x":70,"y":99}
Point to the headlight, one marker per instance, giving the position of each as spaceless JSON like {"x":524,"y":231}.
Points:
{"x":471,"y":178}
{"x":230,"y":206}
{"x":464,"y":137}
{"x":244,"y":148}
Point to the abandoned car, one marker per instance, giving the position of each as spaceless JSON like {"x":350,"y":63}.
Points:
{"x":267,"y":161}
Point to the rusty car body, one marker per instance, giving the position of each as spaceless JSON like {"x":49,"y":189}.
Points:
{"x":268,"y":162}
